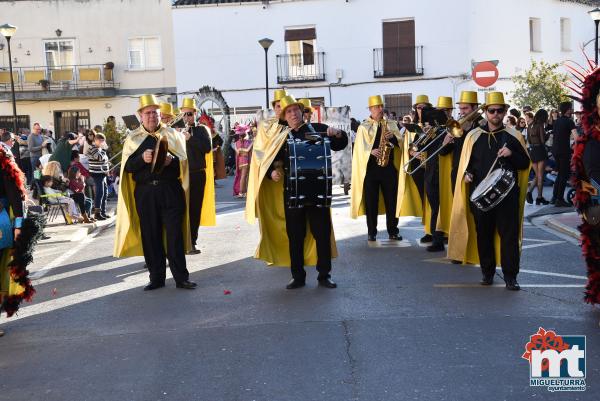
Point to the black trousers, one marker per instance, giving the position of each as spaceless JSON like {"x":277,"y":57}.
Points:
{"x":162,"y":207}
{"x":563,"y":165}
{"x":505,"y":219}
{"x":197,"y":185}
{"x":319,"y":219}
{"x":432,"y":188}
{"x":386,"y":179}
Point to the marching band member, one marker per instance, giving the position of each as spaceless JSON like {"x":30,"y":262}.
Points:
{"x":421,"y":102}
{"x":166,"y":113}
{"x":200,"y":160}
{"x":373,"y":172}
{"x":450,"y":156}
{"x":152,"y":202}
{"x":444,"y":103}
{"x":276,"y":103}
{"x":284,"y":238}
{"x":482,"y":146}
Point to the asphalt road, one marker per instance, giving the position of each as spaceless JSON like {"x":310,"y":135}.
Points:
{"x":402,"y":325}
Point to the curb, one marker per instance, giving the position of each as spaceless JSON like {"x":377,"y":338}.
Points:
{"x":563,"y":228}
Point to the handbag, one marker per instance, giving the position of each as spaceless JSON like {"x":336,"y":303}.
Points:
{"x":6,"y":230}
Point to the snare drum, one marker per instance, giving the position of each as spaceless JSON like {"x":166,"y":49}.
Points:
{"x":309,"y":174}
{"x":490,"y":192}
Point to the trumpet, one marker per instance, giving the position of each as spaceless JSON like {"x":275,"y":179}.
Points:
{"x":174,"y":121}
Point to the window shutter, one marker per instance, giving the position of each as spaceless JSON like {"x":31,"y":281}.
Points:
{"x":300,"y":34}
{"x":153,"y":53}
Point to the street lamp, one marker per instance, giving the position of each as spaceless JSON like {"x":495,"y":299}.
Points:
{"x":8,"y":32}
{"x":595,"y":14}
{"x":266,"y":43}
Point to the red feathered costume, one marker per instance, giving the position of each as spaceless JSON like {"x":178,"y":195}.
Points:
{"x":588,"y":89}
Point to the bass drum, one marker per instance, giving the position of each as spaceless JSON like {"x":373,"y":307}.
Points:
{"x":309,"y":174}
{"x":490,"y":192}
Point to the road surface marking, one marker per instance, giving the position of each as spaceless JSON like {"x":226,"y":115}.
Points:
{"x":502,"y":285}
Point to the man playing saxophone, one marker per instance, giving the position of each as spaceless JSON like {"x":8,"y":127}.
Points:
{"x":375,"y":166}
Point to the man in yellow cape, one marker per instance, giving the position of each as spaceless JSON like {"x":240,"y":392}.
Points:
{"x":374,"y":188}
{"x":265,"y":201}
{"x":479,"y":237}
{"x":201,"y":194}
{"x":151,"y":209}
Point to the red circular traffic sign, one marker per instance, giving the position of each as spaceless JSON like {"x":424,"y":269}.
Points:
{"x":485,"y":74}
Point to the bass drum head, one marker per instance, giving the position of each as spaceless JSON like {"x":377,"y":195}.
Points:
{"x":486,"y":183}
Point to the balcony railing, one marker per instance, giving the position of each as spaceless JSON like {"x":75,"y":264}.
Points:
{"x":305,"y":67}
{"x":398,"y":61}
{"x":66,"y":77}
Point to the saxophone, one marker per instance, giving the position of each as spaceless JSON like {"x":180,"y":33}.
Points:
{"x":385,"y":147}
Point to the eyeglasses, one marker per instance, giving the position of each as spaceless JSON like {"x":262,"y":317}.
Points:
{"x":495,"y":111}
{"x":189,"y":114}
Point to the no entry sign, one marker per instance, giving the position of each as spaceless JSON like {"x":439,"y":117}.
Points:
{"x":485,"y":74}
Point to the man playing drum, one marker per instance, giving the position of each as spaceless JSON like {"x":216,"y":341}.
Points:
{"x":487,"y":147}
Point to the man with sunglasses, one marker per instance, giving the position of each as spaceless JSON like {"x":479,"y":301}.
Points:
{"x":497,"y":230}
{"x":198,"y":145}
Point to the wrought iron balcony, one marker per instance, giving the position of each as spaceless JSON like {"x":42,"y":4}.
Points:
{"x":306,"y":67}
{"x":398,"y":61}
{"x":69,"y":81}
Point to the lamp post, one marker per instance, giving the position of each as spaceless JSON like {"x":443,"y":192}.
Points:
{"x":8,"y":32}
{"x":595,"y":14}
{"x":266,"y":43}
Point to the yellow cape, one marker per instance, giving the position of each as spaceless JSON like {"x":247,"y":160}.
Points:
{"x":128,"y":238}
{"x":462,"y":241}
{"x":208,"y":215}
{"x":7,"y":285}
{"x":265,"y":201}
{"x":365,"y":137}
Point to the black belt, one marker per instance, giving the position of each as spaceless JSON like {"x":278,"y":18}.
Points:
{"x":155,"y":183}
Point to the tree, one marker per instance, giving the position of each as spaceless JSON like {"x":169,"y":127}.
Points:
{"x":114,"y":138}
{"x":541,"y":86}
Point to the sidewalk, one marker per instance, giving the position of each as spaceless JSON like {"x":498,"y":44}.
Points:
{"x":565,"y":223}
{"x":58,"y":231}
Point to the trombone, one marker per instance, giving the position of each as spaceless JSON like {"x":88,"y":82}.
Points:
{"x":452,"y":127}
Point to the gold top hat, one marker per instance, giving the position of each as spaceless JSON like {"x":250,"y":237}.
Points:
{"x":189,"y":103}
{"x":422,"y":99}
{"x":278,"y":95}
{"x":468,"y":97}
{"x":445,"y":102}
{"x":166,"y":108}
{"x":376,"y":100}
{"x":176,"y":111}
{"x":494,"y":98}
{"x":148,"y":100}
{"x":288,"y":101}
{"x":307,"y":104}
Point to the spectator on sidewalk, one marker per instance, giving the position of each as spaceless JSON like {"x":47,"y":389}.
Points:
{"x":77,"y":188}
{"x":564,"y":130}
{"x":24,"y":155}
{"x":538,"y":153}
{"x":59,"y":181}
{"x":48,"y":144}
{"x":99,"y":166}
{"x":55,"y":196}
{"x":7,"y":141}
{"x":34,"y":143}
{"x":62,"y":152}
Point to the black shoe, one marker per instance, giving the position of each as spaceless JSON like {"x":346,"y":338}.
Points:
{"x":99,"y":217}
{"x":328,"y":283}
{"x":194,"y":251}
{"x":487,"y":280}
{"x":44,"y":236}
{"x":561,"y":203}
{"x":395,"y":237}
{"x":512,"y":285}
{"x":188,"y":285}
{"x":426,"y":239}
{"x":294,"y":283}
{"x":456,"y":262}
{"x":541,"y":201}
{"x":103,"y":214}
{"x":153,"y":286}
{"x":436,"y":247}
{"x":529,"y":198}
{"x":553,"y":200}
{"x":372,"y":238}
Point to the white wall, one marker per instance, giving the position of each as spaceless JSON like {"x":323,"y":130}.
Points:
{"x":226,"y":54}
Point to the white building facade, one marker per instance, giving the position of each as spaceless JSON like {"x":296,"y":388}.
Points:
{"x":60,"y":54}
{"x":340,"y":52}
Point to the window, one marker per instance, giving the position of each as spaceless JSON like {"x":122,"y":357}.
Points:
{"x":401,"y":104}
{"x":301,"y":45}
{"x":145,"y":53}
{"x":565,"y":34}
{"x":535,"y":34}
{"x":59,"y":52}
